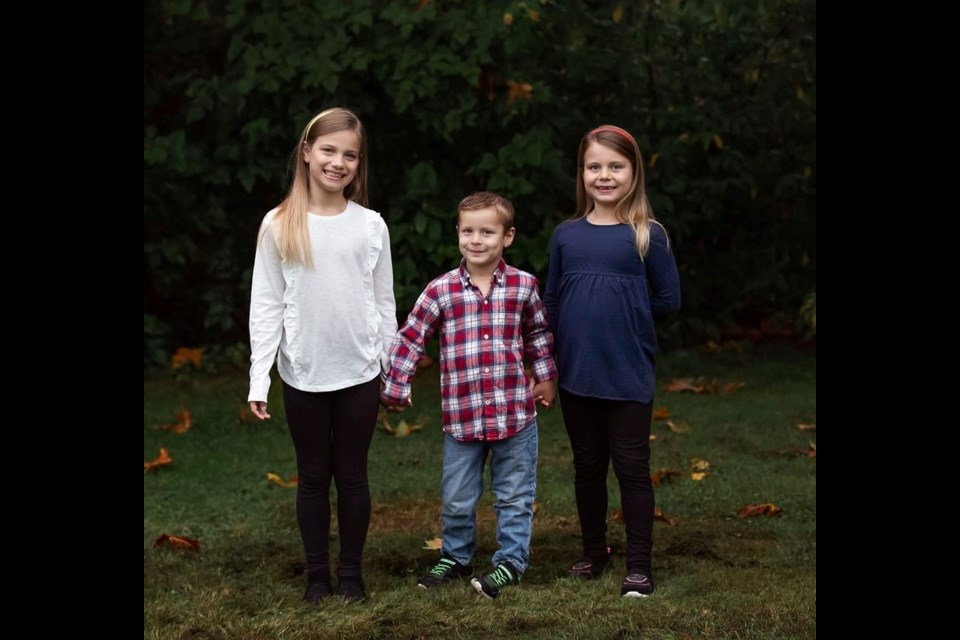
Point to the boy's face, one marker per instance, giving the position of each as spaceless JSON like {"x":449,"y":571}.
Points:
{"x":482,"y":238}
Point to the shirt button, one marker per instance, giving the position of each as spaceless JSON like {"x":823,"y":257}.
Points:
{"x":485,"y":301}
{"x":486,"y":336}
{"x":486,"y":369}
{"x":487,"y":402}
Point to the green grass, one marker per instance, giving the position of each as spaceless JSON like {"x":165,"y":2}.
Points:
{"x":717,"y":576}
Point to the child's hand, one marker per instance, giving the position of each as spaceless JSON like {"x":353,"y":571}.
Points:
{"x":259,"y":409}
{"x":545,"y":393}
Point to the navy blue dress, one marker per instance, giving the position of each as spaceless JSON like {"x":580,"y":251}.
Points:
{"x":601,"y":299}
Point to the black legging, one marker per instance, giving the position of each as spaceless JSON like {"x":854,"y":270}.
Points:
{"x":331,"y":434}
{"x":601,"y":430}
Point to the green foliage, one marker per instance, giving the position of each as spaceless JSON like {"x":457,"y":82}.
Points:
{"x":717,"y":576}
{"x":721,"y":96}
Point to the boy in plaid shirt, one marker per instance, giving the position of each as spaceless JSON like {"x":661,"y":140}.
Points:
{"x":489,"y":316}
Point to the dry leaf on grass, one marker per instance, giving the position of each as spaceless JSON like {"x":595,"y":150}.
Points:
{"x":403,"y":428}
{"x":662,"y":475}
{"x":286,"y":484}
{"x":753,"y":510}
{"x":678,"y":428}
{"x":160,"y":461}
{"x":699,"y":464}
{"x":699,"y":385}
{"x":659,"y":515}
{"x":177,"y":542}
{"x":183,"y":422}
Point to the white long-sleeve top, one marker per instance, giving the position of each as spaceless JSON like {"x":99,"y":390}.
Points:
{"x":333,"y":324}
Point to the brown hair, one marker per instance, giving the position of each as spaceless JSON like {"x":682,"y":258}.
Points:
{"x":485,"y":200}
{"x":634,"y":208}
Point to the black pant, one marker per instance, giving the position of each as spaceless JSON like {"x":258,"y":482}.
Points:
{"x":601,"y":430}
{"x":331,"y":434}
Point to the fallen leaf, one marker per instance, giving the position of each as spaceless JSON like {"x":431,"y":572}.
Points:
{"x":617,"y":13}
{"x":433,"y":545}
{"x":616,"y":514}
{"x":403,"y":428}
{"x":806,"y":427}
{"x":162,"y":460}
{"x":183,"y":356}
{"x":653,"y":437}
{"x":662,"y":475}
{"x":183,"y":422}
{"x":508,"y":19}
{"x":699,"y":464}
{"x":286,"y":484}
{"x":684,"y":428}
{"x":661,"y":413}
{"x":177,"y":542}
{"x":699,"y":475}
{"x":765,"y":509}
{"x":678,"y":385}
{"x":658,"y":515}
{"x":698,"y":385}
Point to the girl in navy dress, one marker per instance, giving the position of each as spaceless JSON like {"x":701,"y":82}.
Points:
{"x":611,"y":273}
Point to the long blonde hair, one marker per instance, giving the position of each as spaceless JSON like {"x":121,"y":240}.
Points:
{"x":293,"y":237}
{"x":634,"y":208}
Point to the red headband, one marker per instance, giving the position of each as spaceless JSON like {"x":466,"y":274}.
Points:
{"x":616,"y":130}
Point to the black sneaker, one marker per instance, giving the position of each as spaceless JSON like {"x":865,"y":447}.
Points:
{"x":351,"y":589}
{"x":317,"y":591}
{"x":489,"y":585}
{"x":636,"y":585}
{"x":589,"y":569}
{"x":444,"y":571}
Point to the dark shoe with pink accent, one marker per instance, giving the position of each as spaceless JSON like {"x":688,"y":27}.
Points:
{"x":589,"y":568}
{"x":636,"y":585}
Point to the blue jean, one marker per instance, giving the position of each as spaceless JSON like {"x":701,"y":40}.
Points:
{"x":513,"y":481}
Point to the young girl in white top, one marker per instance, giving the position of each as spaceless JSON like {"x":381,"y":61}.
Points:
{"x":322,"y":297}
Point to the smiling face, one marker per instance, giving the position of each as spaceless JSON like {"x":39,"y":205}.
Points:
{"x":607,"y":175}
{"x":333,"y":160}
{"x":482,"y":238}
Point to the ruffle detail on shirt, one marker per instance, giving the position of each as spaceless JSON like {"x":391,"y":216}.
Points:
{"x":289,"y":363}
{"x":374,"y":248}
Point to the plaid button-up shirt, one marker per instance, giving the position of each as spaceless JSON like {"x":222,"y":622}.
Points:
{"x":485,"y":392}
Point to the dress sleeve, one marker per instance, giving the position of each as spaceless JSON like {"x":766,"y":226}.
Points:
{"x":662,"y":274}
{"x":551,"y":296}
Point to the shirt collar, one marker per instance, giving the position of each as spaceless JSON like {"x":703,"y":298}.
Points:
{"x":497,"y":273}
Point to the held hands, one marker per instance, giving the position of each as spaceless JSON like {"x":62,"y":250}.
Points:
{"x":388,"y":404}
{"x":545,"y":393}
{"x":259,"y":409}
